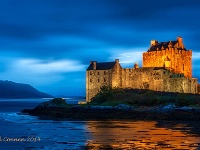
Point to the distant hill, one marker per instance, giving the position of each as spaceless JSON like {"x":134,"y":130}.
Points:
{"x":9,"y":89}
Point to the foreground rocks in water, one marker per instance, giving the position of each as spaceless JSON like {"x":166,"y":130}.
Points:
{"x":58,"y":109}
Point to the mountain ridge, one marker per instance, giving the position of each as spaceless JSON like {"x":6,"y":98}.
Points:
{"x":10,"y":89}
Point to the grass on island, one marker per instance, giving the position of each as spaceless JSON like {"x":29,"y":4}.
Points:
{"x":59,"y":109}
{"x":138,"y":97}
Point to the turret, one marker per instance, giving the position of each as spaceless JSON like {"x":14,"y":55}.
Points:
{"x":180,"y":42}
{"x":136,"y":65}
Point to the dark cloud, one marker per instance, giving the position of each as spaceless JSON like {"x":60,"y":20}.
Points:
{"x":92,"y":30}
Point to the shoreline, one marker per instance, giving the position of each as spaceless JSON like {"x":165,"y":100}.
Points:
{"x":86,"y":113}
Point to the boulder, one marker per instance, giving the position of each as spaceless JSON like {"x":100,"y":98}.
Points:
{"x":56,"y":102}
{"x":123,"y":106}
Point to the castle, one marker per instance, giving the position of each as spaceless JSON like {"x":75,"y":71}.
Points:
{"x":167,"y":66}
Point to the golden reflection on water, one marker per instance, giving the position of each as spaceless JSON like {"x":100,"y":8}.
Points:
{"x":140,"y":135}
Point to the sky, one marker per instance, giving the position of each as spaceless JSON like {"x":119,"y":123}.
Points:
{"x":50,"y":43}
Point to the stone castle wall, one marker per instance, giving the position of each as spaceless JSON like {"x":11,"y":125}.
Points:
{"x":141,"y":78}
{"x":95,"y":79}
{"x":116,"y":75}
{"x":151,"y":78}
{"x":182,"y":85}
{"x":157,"y":80}
{"x":179,"y":61}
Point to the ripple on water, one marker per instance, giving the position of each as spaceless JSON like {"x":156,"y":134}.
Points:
{"x":101,"y":134}
{"x":144,"y":135}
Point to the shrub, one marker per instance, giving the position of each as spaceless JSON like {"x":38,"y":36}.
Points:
{"x":105,"y":94}
{"x":109,"y":96}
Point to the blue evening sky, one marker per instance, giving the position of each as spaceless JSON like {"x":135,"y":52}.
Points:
{"x":49,"y":43}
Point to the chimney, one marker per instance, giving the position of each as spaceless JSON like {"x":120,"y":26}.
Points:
{"x":170,"y":44}
{"x":154,"y":42}
{"x":117,"y":61}
{"x":136,"y":65}
{"x":180,"y":39}
{"x":180,"y":42}
{"x":94,"y":65}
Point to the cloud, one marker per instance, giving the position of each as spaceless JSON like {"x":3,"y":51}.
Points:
{"x":195,"y":64}
{"x":196,"y":56}
{"x":37,"y":71}
{"x":52,"y":42}
{"x":128,"y":56}
{"x":38,"y":66}
{"x":71,"y":41}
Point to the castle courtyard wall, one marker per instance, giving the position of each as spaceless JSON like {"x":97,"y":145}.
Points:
{"x":157,"y":80}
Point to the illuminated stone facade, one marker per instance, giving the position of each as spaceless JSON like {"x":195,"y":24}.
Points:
{"x":166,"y":67}
{"x":172,"y":55}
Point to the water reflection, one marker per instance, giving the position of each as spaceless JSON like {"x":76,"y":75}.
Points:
{"x":141,"y":135}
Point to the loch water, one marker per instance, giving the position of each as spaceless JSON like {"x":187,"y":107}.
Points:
{"x":23,"y":132}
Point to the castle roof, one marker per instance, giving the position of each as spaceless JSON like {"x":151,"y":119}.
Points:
{"x":165,"y":45}
{"x":102,"y":65}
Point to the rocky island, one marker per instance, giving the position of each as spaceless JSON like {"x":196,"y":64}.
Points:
{"x":162,"y":89}
{"x":123,"y":104}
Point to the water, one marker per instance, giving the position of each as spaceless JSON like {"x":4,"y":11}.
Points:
{"x":47,"y":134}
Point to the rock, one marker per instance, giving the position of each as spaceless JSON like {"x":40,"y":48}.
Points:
{"x":170,"y":106}
{"x":82,"y":102}
{"x":123,"y":106}
{"x":56,"y":102}
{"x":101,"y":107}
{"x":188,"y":109}
{"x":58,"y":109}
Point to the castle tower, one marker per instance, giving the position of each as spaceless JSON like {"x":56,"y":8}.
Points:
{"x":100,"y":74}
{"x":172,"y":55}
